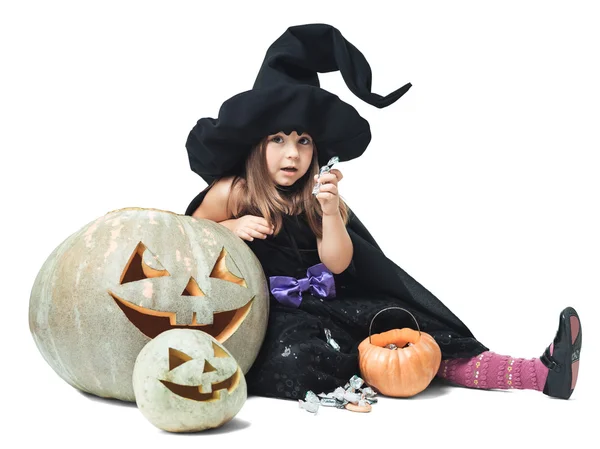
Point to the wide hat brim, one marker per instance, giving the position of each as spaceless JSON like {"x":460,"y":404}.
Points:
{"x":219,"y":147}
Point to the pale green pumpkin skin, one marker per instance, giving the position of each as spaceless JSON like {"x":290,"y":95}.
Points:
{"x":174,"y":412}
{"x":83,"y":333}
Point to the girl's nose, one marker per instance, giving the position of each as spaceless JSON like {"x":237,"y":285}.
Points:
{"x":292,"y":150}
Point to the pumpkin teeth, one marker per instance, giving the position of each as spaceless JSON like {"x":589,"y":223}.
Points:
{"x":191,"y":392}
{"x":197,"y":394}
{"x":153,"y":322}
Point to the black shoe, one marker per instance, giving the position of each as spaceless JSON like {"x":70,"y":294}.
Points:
{"x":563,"y":360}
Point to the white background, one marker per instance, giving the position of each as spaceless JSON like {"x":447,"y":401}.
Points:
{"x":481,"y":182}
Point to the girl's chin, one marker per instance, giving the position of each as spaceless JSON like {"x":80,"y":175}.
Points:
{"x":285,"y":180}
{"x":288,"y":185}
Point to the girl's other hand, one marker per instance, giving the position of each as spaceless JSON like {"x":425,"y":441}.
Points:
{"x":328,"y":193}
{"x":250,"y":227}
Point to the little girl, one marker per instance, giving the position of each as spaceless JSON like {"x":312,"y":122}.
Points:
{"x":270,"y":205}
{"x":327,"y":275}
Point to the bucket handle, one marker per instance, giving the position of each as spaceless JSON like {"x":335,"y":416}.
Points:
{"x":388,"y":308}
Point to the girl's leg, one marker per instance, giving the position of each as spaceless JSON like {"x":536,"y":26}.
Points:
{"x":554,"y":373}
{"x":490,"y":370}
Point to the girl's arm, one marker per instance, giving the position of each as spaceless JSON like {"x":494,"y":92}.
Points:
{"x":335,"y":248}
{"x":214,"y":205}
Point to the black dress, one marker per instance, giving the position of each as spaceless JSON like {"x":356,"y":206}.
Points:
{"x":296,"y":355}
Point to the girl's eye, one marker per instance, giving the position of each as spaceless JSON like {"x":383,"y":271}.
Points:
{"x":279,"y":139}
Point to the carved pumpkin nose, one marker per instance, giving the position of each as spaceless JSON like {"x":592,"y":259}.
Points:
{"x":192,"y":289}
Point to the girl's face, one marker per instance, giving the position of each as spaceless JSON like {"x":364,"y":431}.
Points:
{"x":288,"y":157}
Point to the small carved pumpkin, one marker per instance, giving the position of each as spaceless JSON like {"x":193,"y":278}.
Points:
{"x":399,"y":362}
{"x":132,"y":274}
{"x":186,"y":381}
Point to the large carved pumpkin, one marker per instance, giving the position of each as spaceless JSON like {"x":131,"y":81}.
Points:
{"x":185,"y":381}
{"x":132,"y":274}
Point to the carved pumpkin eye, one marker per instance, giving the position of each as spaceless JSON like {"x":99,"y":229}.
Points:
{"x":142,"y":265}
{"x":178,"y":358}
{"x":220,"y":270}
{"x":218,"y":351}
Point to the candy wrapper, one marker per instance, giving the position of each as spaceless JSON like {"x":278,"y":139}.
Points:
{"x":325,"y":169}
{"x":330,"y":340}
{"x":350,"y":397}
{"x":311,"y":402}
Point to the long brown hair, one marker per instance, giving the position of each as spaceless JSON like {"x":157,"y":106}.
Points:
{"x":251,"y":195}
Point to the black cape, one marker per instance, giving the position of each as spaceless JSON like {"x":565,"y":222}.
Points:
{"x":374,"y":270}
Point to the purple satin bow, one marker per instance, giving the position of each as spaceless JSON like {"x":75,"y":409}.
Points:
{"x":288,"y":290}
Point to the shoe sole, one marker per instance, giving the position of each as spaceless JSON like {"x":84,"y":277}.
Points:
{"x":562,"y":379}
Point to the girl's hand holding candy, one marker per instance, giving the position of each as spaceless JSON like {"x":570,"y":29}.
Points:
{"x":328,"y":192}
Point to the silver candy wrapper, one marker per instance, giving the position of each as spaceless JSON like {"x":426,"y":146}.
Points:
{"x":350,"y":393}
{"x":330,"y":340}
{"x":352,"y":397}
{"x":325,"y":169}
{"x":356,"y":382}
{"x":311,"y":397}
{"x":339,"y":394}
{"x":308,"y":406}
{"x":329,"y":402}
{"x":369,"y":392}
{"x":311,"y":402}
{"x":393,"y":346}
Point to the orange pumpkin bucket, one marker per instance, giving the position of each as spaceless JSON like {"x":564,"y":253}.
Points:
{"x":399,"y":362}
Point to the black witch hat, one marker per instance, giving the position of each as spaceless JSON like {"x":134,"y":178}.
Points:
{"x":287,"y":97}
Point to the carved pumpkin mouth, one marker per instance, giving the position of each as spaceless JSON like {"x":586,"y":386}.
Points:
{"x":195,"y":393}
{"x":152,"y":322}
